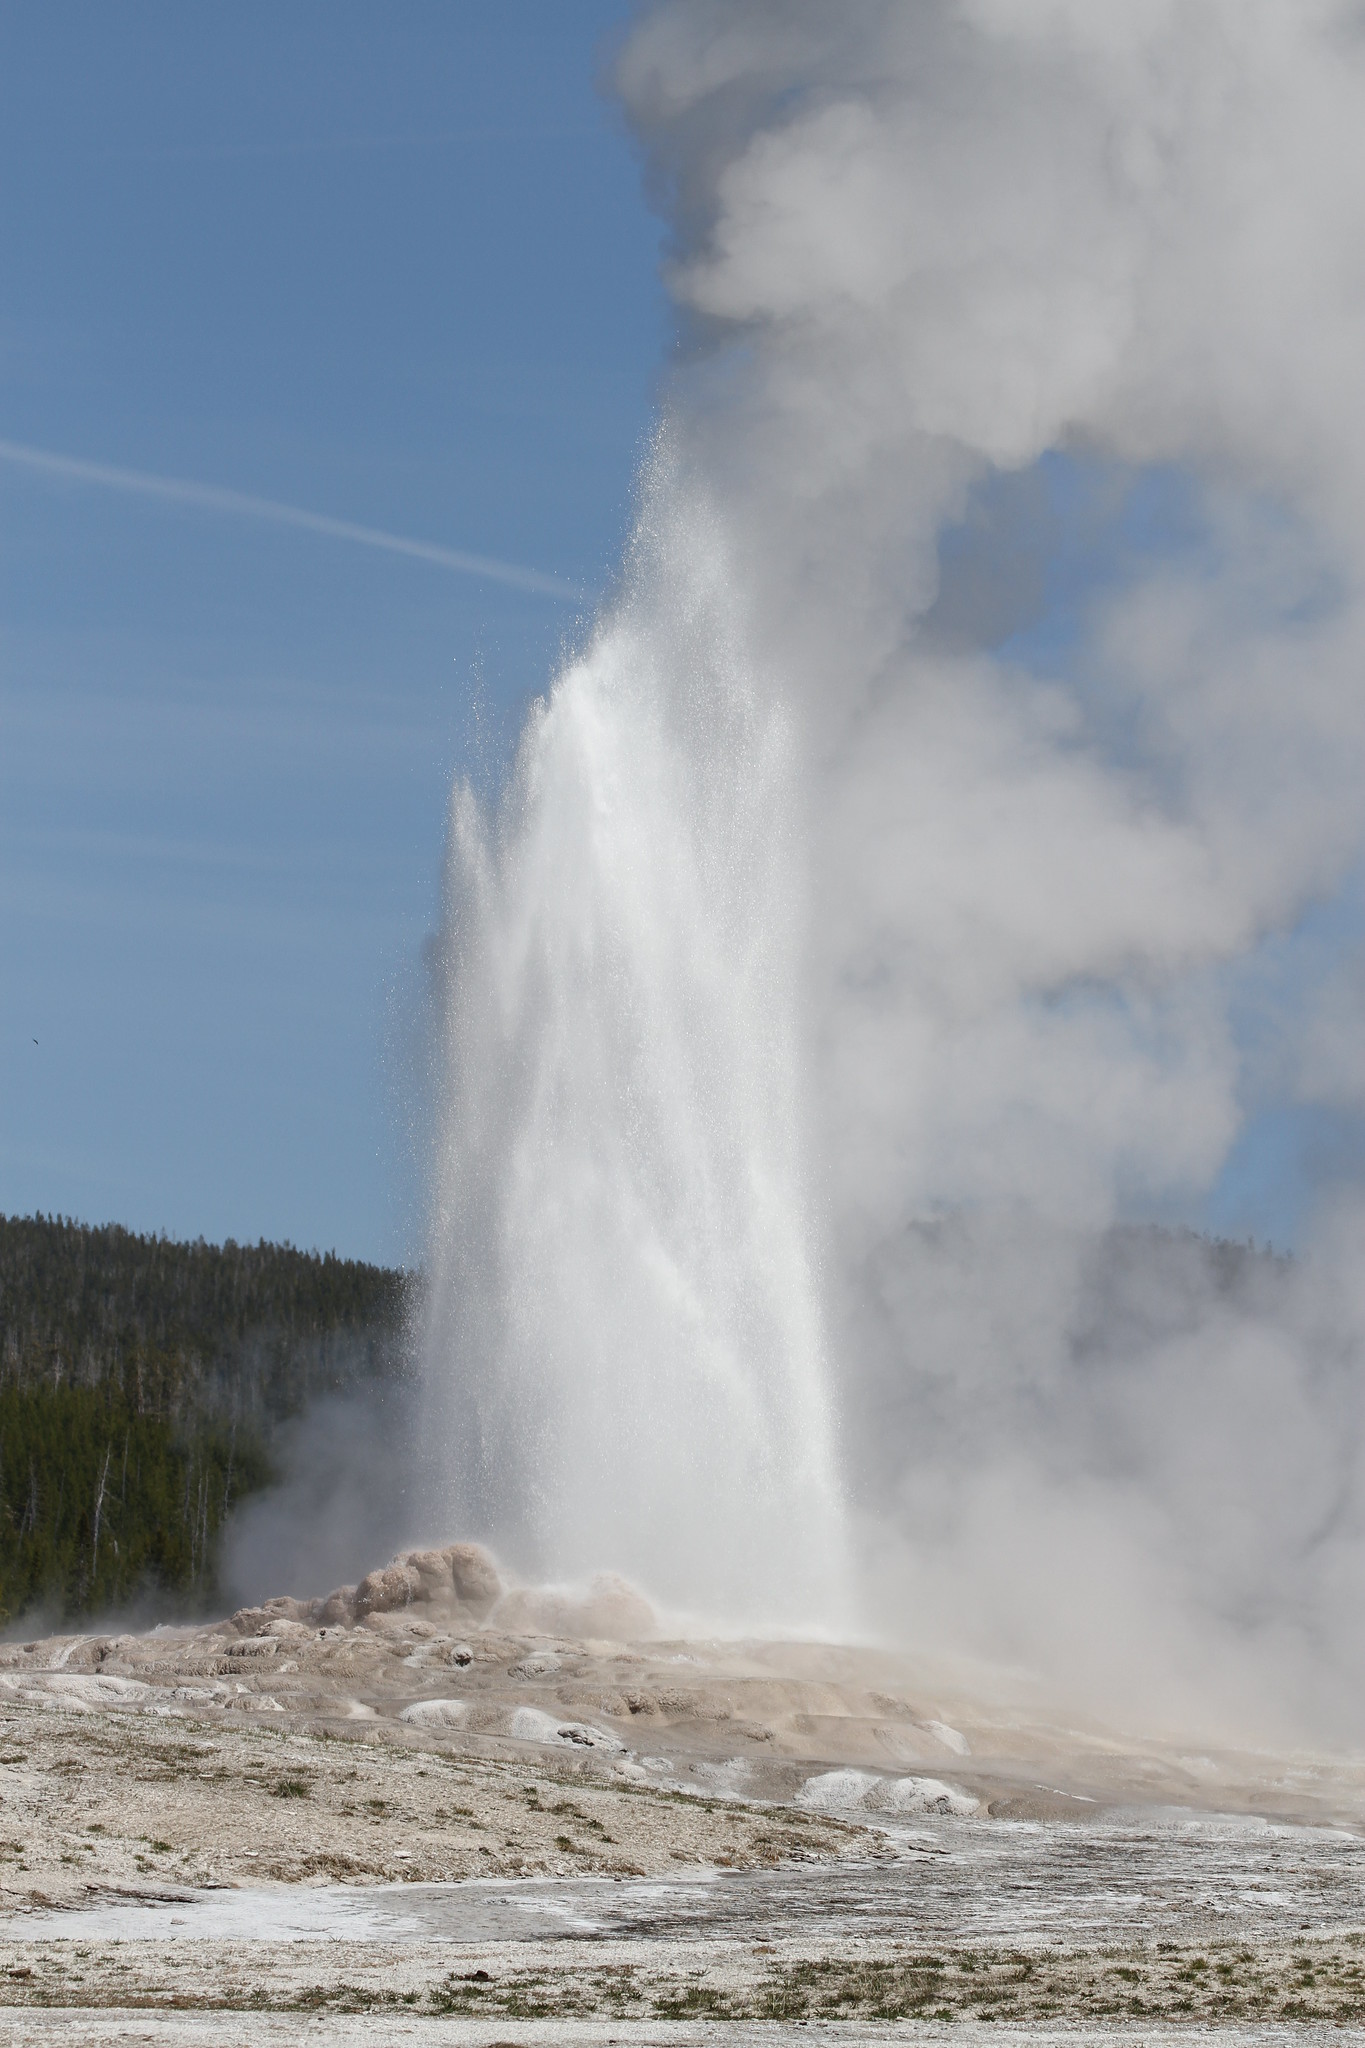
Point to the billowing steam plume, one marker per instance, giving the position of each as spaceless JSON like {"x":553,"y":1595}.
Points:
{"x":864,"y":932}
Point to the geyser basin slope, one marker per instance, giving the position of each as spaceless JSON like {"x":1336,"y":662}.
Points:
{"x":870,"y":1735}
{"x":696,"y":1847}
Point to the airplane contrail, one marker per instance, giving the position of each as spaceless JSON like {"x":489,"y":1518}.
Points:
{"x":242,"y":505}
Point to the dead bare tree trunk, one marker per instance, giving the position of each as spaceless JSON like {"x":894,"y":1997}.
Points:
{"x":99,"y":1510}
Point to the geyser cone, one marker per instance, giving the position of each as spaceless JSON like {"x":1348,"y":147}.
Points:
{"x":624,"y":1346}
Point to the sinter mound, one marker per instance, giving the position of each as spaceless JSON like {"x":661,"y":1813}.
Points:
{"x":462,"y":1585}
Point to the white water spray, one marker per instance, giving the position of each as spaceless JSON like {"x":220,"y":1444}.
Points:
{"x":866,"y":886}
{"x":624,"y":1346}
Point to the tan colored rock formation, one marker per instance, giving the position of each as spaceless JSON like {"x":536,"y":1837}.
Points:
{"x":459,"y":1582}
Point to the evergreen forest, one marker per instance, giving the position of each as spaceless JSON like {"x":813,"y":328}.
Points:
{"x":142,"y":1383}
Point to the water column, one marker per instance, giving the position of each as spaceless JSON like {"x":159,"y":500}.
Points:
{"x":624,"y":1359}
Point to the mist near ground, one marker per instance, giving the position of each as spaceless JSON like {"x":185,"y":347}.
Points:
{"x":1127,"y":1462}
{"x":341,"y":1503}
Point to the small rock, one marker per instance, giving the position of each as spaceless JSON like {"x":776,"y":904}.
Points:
{"x":538,"y":1665}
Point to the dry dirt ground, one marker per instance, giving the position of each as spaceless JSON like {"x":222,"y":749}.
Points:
{"x":271,"y":2030}
{"x":266,"y":1829}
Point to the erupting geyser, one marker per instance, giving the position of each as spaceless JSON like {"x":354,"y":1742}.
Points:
{"x":627,"y":1340}
{"x":916,"y":885}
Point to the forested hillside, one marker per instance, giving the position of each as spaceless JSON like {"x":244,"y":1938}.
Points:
{"x":141,"y":1383}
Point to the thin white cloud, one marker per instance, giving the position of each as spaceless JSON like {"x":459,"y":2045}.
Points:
{"x":243,"y":505}
{"x":349,"y":145}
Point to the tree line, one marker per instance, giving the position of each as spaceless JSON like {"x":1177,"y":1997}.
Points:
{"x":141,"y":1384}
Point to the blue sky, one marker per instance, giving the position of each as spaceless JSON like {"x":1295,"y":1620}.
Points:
{"x":392,"y":266}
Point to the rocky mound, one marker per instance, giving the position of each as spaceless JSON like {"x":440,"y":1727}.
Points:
{"x":461,"y":1585}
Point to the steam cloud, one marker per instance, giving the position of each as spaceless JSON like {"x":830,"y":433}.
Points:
{"x":860,"y":945}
